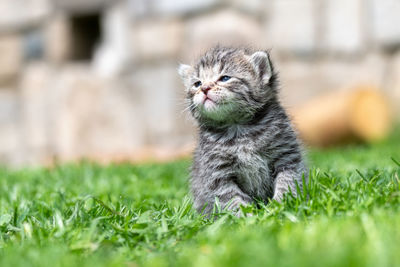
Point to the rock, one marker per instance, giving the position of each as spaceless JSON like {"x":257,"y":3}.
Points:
{"x":291,"y":26}
{"x":226,"y":27}
{"x":157,"y":39}
{"x":78,"y":6}
{"x":10,"y":148}
{"x":392,"y":85}
{"x":181,"y":7}
{"x":71,"y":113}
{"x":168,"y":8}
{"x":385,"y":23}
{"x":114,"y":52}
{"x":255,"y":7}
{"x":93,"y":117}
{"x":159,"y":93}
{"x":11,"y":54}
{"x":35,"y":92}
{"x":343,"y":32}
{"x":58,"y":39}
{"x":302,"y":80}
{"x":21,"y":14}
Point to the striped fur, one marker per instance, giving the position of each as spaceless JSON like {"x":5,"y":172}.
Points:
{"x":247,"y":148}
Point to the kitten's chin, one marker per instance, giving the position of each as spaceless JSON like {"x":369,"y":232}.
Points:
{"x":209,"y":105}
{"x":214,"y":112}
{"x":204,"y":103}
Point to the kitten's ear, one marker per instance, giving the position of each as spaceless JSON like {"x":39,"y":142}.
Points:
{"x":184,"y":71}
{"x":262,"y":65}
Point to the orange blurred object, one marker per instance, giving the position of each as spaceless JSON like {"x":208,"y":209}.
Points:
{"x":359,"y":114}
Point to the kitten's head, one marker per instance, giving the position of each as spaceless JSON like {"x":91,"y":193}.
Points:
{"x":228,"y":85}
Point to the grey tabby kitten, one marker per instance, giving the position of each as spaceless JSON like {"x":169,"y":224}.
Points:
{"x":247,"y":149}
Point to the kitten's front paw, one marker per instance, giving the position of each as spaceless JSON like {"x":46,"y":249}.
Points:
{"x":278,"y":197}
{"x":235,"y":204}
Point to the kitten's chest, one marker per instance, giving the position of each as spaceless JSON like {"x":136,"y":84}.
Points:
{"x":250,"y":167}
{"x":241,"y":158}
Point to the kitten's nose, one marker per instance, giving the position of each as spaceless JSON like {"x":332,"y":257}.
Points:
{"x":205,"y":89}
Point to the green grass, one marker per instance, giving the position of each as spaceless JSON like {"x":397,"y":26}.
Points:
{"x":89,"y":215}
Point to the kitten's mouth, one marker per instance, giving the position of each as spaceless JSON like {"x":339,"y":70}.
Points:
{"x":208,"y":103}
{"x":207,"y":99}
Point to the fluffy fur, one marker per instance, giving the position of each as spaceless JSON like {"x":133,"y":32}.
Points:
{"x":247,"y":148}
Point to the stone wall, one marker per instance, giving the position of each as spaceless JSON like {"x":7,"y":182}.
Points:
{"x":124,"y":100}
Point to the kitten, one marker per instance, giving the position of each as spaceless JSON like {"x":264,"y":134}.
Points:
{"x":247,"y":149}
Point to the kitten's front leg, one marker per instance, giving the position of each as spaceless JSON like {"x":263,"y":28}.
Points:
{"x":285,"y":181}
{"x":229,"y":195}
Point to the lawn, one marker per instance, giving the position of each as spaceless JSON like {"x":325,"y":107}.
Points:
{"x":90,"y":215}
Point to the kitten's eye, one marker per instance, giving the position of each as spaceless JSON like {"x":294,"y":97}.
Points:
{"x":224,"y":78}
{"x":197,"y":84}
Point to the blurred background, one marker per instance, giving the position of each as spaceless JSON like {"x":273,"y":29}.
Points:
{"x":97,"y":79}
